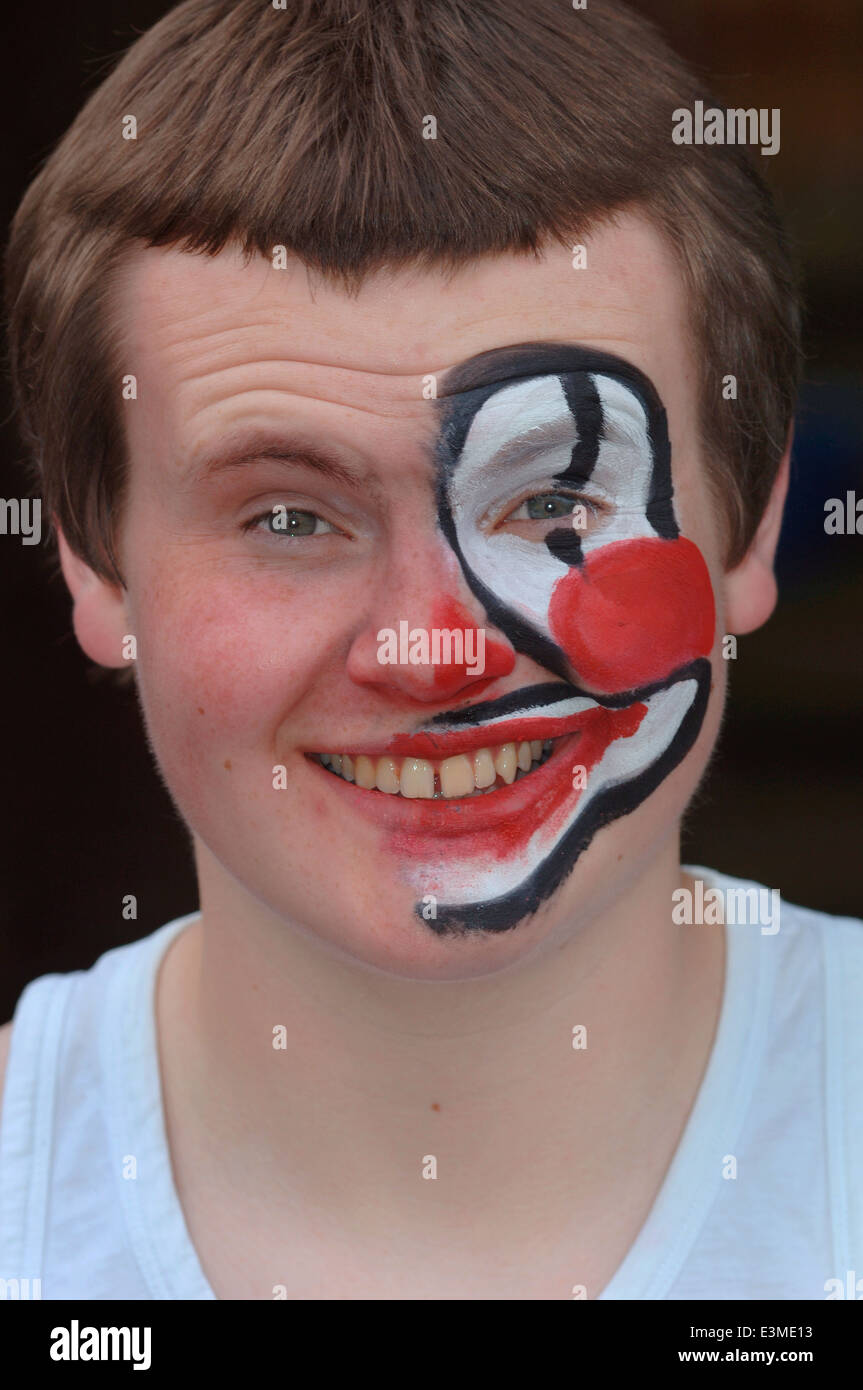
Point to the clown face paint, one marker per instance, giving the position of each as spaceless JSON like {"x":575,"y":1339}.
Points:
{"x":620,"y":611}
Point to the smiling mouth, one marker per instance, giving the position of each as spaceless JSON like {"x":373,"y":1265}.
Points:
{"x":463,"y":776}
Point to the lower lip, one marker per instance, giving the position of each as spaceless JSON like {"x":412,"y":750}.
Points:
{"x":501,"y":822}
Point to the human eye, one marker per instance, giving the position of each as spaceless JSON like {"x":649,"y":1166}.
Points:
{"x":284,"y":522}
{"x":544,"y":506}
{"x":553,"y":505}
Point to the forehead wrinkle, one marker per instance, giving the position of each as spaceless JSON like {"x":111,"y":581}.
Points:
{"x":294,"y":396}
{"x":218,"y":363}
{"x":224,"y":350}
{"x":220,"y":382}
{"x":227,"y":349}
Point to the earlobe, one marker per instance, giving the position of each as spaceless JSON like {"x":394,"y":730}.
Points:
{"x":98,"y":609}
{"x":749,"y":590}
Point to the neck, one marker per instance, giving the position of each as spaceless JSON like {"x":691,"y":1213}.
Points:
{"x":376,"y":1073}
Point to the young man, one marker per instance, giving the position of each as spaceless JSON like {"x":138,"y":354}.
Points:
{"x":422,"y":549}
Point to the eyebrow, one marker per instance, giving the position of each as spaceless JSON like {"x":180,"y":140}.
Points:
{"x":247,"y":447}
{"x":546,"y":435}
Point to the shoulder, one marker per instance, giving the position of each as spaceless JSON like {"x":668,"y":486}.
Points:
{"x":848,"y":930}
{"x":808,"y":964}
{"x":747,"y":903}
{"x":58,"y":1015}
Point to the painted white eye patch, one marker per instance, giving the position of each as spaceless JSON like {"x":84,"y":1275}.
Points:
{"x":528,"y":435}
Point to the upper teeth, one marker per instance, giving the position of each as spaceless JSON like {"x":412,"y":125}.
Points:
{"x":461,"y":775}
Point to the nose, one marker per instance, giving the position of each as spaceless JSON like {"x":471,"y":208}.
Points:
{"x":423,"y":640}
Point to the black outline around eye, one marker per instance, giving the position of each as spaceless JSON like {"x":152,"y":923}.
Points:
{"x":466,"y":390}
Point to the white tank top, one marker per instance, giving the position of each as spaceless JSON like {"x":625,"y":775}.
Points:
{"x":763,"y":1199}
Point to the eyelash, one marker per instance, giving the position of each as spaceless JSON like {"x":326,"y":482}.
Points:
{"x":594,"y":507}
{"x":255,"y":522}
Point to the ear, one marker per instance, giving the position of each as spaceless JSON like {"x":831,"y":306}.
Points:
{"x":750,"y":591}
{"x":98,"y":609}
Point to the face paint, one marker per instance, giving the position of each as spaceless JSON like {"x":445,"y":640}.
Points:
{"x":621,"y":613}
{"x":633,"y":611}
{"x":498,"y":660}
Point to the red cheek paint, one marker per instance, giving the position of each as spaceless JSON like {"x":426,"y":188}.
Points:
{"x":634,"y":612}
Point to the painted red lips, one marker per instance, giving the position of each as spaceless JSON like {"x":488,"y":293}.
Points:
{"x":500,"y":824}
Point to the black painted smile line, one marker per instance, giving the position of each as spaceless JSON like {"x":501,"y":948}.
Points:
{"x":536,"y":699}
{"x":502,"y":913}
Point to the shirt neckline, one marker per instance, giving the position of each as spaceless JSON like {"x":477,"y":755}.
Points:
{"x":154,"y":1216}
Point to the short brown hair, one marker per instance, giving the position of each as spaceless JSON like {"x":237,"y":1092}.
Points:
{"x":303,"y":127}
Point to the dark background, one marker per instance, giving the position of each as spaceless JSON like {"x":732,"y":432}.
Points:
{"x":87,"y":819}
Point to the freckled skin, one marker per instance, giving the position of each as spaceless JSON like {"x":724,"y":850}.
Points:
{"x":280,"y":648}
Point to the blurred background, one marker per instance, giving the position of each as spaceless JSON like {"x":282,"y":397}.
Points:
{"x":87,"y":818}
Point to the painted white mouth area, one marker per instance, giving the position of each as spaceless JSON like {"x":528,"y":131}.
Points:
{"x":470,"y":880}
{"x":559,"y":709}
{"x":464,"y":774}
